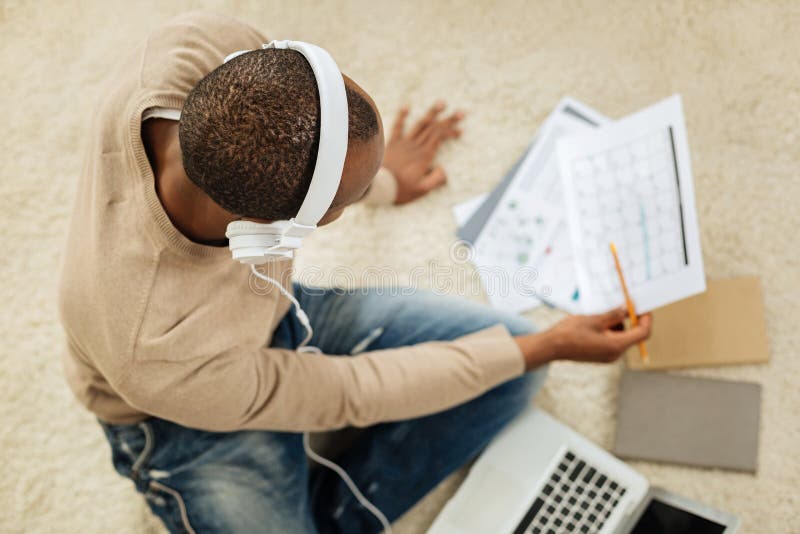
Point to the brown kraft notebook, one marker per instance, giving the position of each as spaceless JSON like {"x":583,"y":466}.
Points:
{"x":723,"y":326}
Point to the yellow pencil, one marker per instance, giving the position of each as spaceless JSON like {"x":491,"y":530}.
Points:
{"x":628,"y":301}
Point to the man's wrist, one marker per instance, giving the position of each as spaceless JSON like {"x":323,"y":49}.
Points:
{"x":538,"y":349}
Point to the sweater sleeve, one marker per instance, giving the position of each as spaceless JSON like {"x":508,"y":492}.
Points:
{"x":285,"y":390}
{"x":383,"y":190}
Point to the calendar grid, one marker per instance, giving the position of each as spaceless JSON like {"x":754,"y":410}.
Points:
{"x":630,"y":194}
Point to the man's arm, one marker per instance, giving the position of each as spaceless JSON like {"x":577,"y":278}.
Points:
{"x":285,"y":390}
{"x":408,"y":170}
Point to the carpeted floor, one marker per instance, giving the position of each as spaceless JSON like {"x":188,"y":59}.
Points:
{"x":507,"y":64}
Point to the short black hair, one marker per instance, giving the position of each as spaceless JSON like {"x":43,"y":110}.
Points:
{"x":249,"y":132}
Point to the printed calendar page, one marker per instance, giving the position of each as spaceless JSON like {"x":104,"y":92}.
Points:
{"x":631,"y":183}
{"x":526,"y":237}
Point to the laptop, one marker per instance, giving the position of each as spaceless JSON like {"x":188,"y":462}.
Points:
{"x":540,"y":476}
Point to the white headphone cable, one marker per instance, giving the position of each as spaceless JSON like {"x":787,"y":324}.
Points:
{"x":387,"y":528}
{"x":301,"y":315}
{"x":302,"y":347}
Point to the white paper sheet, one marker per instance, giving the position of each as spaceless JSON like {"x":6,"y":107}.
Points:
{"x":631,"y":183}
{"x":526,"y":242}
{"x":464,"y":210}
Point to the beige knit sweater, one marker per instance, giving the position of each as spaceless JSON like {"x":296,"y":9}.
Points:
{"x":159,"y":325}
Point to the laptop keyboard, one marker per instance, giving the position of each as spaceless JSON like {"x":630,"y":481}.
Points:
{"x":578,"y":497}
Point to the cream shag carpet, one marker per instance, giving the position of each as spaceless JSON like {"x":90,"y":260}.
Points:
{"x":507,"y":64}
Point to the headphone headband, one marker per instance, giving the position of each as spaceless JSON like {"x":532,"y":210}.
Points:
{"x":286,"y":236}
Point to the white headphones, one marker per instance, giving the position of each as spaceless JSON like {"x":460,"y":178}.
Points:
{"x":256,"y":243}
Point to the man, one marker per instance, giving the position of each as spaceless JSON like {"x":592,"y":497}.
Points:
{"x":194,"y":376}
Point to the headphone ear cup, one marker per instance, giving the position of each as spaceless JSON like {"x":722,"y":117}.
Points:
{"x":256,"y":243}
{"x":238,"y":228}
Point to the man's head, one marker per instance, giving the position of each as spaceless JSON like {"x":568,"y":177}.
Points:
{"x":249,"y":133}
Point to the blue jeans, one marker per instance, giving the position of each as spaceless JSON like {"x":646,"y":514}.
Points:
{"x":260,"y":481}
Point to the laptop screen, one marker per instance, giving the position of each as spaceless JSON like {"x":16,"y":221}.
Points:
{"x":663,"y":518}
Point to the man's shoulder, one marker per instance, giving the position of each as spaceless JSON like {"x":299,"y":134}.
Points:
{"x":186,"y":48}
{"x":205,"y":19}
{"x":205,"y":27}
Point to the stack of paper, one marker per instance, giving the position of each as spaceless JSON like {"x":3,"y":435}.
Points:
{"x":543,"y":234}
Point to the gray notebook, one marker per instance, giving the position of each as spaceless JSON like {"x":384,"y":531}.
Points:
{"x":693,"y":421}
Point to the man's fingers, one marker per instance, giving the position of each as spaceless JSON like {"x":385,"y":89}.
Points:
{"x":454,"y":119}
{"x":635,"y":334}
{"x":426,"y":121}
{"x":611,"y":318}
{"x":646,"y":322}
{"x":399,"y":123}
{"x":432,"y":137}
{"x":435,"y":178}
{"x":441,"y":130}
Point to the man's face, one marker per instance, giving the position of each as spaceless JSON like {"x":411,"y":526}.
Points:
{"x":362,"y":162}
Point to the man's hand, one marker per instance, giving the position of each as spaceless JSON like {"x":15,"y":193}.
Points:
{"x":585,"y":338}
{"x":409,"y":156}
